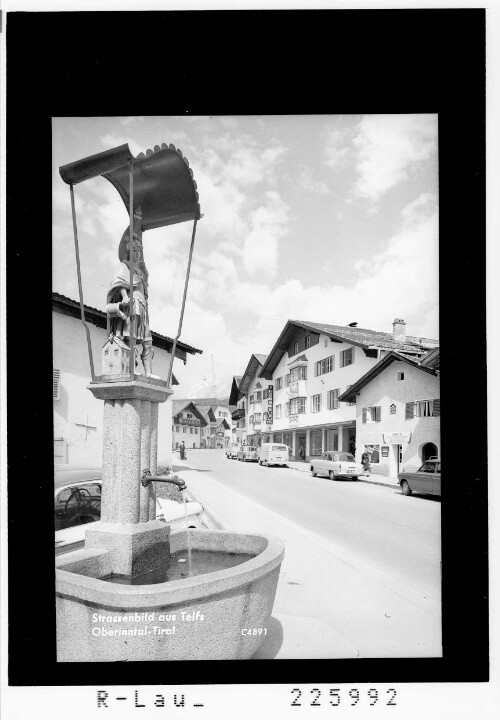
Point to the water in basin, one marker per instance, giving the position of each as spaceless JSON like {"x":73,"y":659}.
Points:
{"x":202,"y":561}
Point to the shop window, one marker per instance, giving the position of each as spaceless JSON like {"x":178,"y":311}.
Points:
{"x":374,"y":453}
{"x":347,"y":357}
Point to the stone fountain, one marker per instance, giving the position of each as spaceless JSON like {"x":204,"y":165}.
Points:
{"x":195,"y":616}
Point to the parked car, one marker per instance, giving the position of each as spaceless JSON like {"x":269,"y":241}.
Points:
{"x":336,"y":465}
{"x":273,"y":454}
{"x":77,"y":502}
{"x":232,"y":450}
{"x":247,"y":452}
{"x":427,"y":479}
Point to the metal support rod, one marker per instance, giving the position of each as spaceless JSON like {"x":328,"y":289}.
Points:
{"x":131,"y":256}
{"x":174,"y":348}
{"x":147,"y":478}
{"x":79,"y":274}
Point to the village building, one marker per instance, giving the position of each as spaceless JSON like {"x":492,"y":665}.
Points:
{"x":238,"y":415}
{"x":78,"y":416}
{"x":310,"y":366}
{"x":398,"y":412}
{"x":257,"y":393}
{"x":217,"y":431}
{"x":187,"y":424}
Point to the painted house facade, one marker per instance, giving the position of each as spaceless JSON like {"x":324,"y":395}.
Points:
{"x":310,"y":367}
{"x":187,"y":424}
{"x":254,"y":391}
{"x":238,"y":415}
{"x":78,"y":416}
{"x":398,"y":412}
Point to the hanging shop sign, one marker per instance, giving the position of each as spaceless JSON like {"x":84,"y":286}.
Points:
{"x":268,"y":416}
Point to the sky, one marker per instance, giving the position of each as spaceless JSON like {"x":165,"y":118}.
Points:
{"x":328,"y":218}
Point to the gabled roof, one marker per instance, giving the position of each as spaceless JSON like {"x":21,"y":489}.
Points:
{"x":253,"y":368}
{"x":234,"y":395}
{"x":180,"y":405}
{"x":431,"y":359}
{"x":208,"y":412}
{"x":350,"y":394}
{"x":224,"y":422}
{"x":98,"y":318}
{"x":361,"y":337}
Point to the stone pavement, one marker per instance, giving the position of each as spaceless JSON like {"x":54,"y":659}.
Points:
{"x":329,"y":603}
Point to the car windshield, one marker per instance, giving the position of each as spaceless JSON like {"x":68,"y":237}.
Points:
{"x":343,"y":457}
{"x":251,"y":448}
{"x":77,"y":505}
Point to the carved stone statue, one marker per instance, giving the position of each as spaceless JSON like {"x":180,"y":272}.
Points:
{"x":118,"y":307}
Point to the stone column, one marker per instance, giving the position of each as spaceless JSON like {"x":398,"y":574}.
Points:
{"x":128,"y":528}
{"x":294,"y":444}
{"x":308,"y":444}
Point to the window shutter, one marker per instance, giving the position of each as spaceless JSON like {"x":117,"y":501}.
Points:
{"x":364,"y":415}
{"x":436,"y":412}
{"x":410,"y":410}
{"x":56,"y":384}
{"x":352,"y":351}
{"x":377,"y":413}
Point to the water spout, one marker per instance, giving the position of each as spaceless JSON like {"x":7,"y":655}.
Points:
{"x":147,"y":478}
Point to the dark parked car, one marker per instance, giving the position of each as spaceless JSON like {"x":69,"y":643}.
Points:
{"x":427,"y":479}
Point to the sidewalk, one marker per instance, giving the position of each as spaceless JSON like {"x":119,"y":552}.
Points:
{"x":329,"y":602}
{"x":372,"y":478}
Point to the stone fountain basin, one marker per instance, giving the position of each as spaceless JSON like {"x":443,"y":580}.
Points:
{"x":215,"y":616}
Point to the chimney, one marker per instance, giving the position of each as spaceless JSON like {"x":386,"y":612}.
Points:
{"x":399,"y":330}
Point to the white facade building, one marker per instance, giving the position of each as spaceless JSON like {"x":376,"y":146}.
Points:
{"x":78,"y":416}
{"x":398,"y":413}
{"x":310,"y":366}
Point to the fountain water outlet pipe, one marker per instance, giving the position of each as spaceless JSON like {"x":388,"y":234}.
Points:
{"x":147,"y":479}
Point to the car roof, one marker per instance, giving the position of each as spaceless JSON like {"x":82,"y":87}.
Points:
{"x":67,"y":474}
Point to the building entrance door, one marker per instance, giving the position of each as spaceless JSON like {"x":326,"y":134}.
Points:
{"x":396,"y":459}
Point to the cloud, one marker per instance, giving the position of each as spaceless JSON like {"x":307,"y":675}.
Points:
{"x":389,"y":149}
{"x":337,"y":142}
{"x":268,"y":224}
{"x":308,"y":182}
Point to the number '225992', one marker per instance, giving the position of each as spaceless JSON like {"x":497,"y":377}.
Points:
{"x":353,"y":696}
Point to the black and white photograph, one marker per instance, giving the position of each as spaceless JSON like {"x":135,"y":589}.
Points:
{"x":254,"y":275}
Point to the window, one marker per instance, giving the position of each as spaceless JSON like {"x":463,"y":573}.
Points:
{"x":287,"y":379}
{"x":56,"y":384}
{"x":316,"y":403}
{"x":189,"y":415}
{"x":333,"y":399}
{"x":278,"y":412}
{"x":287,"y":409}
{"x":250,"y":419}
{"x":252,"y":398}
{"x":347,"y":357}
{"x":424,"y":408}
{"x":257,"y":418}
{"x":298,"y":373}
{"x":308,"y":341}
{"x":177,"y":428}
{"x":371,"y":414}
{"x":196,"y":431}
{"x":296,"y":348}
{"x":325,"y":366}
{"x":258,"y":397}
{"x":191,"y":430}
{"x":184,"y":429}
{"x":279,"y":383}
{"x":400,"y":376}
{"x":297,"y":405}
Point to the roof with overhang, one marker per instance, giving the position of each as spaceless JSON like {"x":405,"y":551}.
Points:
{"x":254,"y":366}
{"x":350,"y":394}
{"x":361,"y":337}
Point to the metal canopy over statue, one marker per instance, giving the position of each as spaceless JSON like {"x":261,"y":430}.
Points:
{"x":158,"y":189}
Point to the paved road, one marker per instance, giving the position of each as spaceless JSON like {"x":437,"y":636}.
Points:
{"x":396,"y":534}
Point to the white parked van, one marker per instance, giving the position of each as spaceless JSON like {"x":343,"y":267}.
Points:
{"x":273,"y":454}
